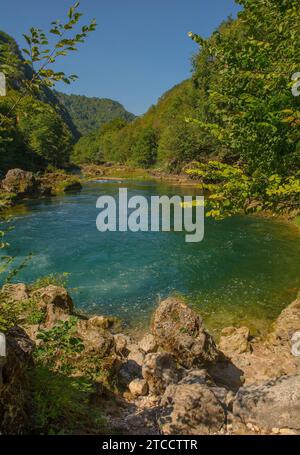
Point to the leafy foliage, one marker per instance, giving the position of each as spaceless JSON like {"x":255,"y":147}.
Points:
{"x":58,"y":344}
{"x":35,"y":129}
{"x":15,"y":313}
{"x":231,"y":191}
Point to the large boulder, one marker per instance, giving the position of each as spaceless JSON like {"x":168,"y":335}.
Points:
{"x":95,"y":337}
{"x":179,"y":330}
{"x":191,"y":409}
{"x":274,"y":404}
{"x":22,"y":183}
{"x":15,"y":292}
{"x":159,"y":370}
{"x":148,"y":343}
{"x":15,"y":409}
{"x":57,"y":303}
{"x":288,"y":322}
{"x":234,"y":341}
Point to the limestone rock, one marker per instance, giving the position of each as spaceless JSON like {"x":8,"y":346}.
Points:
{"x":234,"y":341}
{"x":274,"y":404}
{"x":160,"y":370}
{"x":22,"y":183}
{"x":15,"y":292}
{"x":95,"y":338}
{"x":191,"y":409}
{"x":57,"y":296}
{"x":288,"y":322}
{"x":138,"y":387}
{"x":129,"y":371}
{"x":57,"y":303}
{"x":137,"y":356}
{"x":148,"y":343}
{"x":180,"y":331}
{"x":124,"y":344}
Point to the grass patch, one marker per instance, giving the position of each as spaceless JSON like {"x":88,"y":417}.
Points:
{"x":61,"y":404}
{"x":55,"y":279}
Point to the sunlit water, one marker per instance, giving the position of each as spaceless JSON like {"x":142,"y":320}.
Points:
{"x":244,"y":271}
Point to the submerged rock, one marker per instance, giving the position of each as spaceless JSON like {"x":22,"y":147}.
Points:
{"x":72,"y":187}
{"x":179,"y":330}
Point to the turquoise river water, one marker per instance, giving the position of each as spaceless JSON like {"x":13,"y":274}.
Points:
{"x":244,"y":271}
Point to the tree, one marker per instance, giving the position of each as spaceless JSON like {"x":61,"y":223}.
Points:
{"x":144,"y":150}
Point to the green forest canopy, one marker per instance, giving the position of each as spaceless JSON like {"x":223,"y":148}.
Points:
{"x":88,"y":114}
{"x":237,"y":109}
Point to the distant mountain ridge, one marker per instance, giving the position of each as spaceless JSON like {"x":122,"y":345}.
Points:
{"x":88,"y":114}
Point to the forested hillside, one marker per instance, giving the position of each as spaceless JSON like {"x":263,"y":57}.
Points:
{"x":88,"y":114}
{"x":161,"y":134}
{"x":238,"y":105}
{"x":39,"y":131}
{"x":241,"y":108}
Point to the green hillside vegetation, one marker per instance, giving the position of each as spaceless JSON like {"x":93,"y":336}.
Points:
{"x":238,"y":108}
{"x":88,"y":114}
{"x":160,"y":136}
{"x":39,"y":131}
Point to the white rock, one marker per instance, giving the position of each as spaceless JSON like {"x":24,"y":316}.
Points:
{"x":148,"y":344}
{"x":138,"y":387}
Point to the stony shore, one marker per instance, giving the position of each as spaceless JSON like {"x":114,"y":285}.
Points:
{"x":175,"y":380}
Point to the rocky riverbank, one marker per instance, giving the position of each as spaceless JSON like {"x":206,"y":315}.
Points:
{"x":19,"y":184}
{"x":175,"y":380}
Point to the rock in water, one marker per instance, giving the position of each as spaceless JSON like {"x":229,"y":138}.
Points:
{"x":22,"y":183}
{"x":180,"y":331}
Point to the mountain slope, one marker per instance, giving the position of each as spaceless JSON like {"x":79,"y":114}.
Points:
{"x":25,"y":72}
{"x":88,"y":114}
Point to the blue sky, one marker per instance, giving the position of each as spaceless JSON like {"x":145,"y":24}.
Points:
{"x":140,"y":48}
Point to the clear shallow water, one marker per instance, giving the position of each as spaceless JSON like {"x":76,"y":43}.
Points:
{"x":244,"y":271}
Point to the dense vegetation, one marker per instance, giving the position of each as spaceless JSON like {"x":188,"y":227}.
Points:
{"x":238,"y":108}
{"x":39,"y":130}
{"x":161,"y":135}
{"x":88,"y":114}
